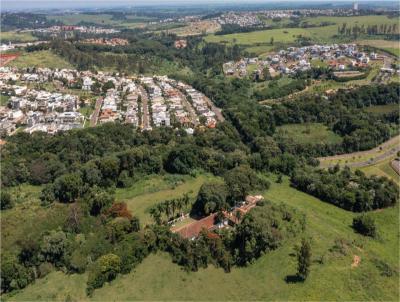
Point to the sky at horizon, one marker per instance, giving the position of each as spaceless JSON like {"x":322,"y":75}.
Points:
{"x":79,"y":4}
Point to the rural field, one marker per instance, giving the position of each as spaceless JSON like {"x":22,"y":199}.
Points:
{"x":196,"y":28}
{"x":43,"y":58}
{"x":132,"y":21}
{"x":333,"y":277}
{"x":74,"y":19}
{"x":17,"y":37}
{"x":258,"y":41}
{"x":392,"y":47}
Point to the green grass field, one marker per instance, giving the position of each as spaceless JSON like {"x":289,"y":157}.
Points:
{"x":382,"y":169}
{"x":23,"y":218}
{"x":332,"y":276}
{"x":43,"y":58}
{"x":308,"y":133}
{"x":392,"y":47}
{"x":258,"y":41}
{"x":74,"y":19}
{"x":16,"y":37}
{"x":152,"y":190}
{"x":382,"y":109}
{"x":132,"y":21}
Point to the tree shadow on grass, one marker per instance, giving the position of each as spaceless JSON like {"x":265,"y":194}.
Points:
{"x":293,"y":279}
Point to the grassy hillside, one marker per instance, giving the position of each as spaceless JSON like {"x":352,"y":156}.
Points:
{"x":332,"y":275}
{"x":311,"y":133}
{"x":152,"y":190}
{"x":74,"y":19}
{"x":382,"y":169}
{"x":43,"y":58}
{"x":258,"y":41}
{"x":16,"y":37}
{"x":132,"y":21}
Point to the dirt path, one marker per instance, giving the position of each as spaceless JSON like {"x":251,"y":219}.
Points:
{"x":392,"y":146}
{"x":287,"y":97}
{"x":215,"y":109}
{"x":95,"y":114}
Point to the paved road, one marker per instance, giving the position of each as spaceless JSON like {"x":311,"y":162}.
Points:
{"x":396,"y":165}
{"x":215,"y":109}
{"x":145,"y":108}
{"x":189,"y":108}
{"x":392,"y":146}
{"x":95,"y":114}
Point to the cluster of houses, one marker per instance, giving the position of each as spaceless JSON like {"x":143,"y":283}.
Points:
{"x":109,"y":42}
{"x":38,"y":110}
{"x":294,"y":59}
{"x":202,"y":105}
{"x":176,"y":103}
{"x":243,"y":19}
{"x":291,"y":13}
{"x":145,"y":102}
{"x":182,"y":43}
{"x":57,"y":30}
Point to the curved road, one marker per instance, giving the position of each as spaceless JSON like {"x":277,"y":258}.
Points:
{"x":392,"y":146}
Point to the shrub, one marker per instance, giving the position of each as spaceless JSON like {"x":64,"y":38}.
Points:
{"x":105,"y":269}
{"x":6,"y":200}
{"x":53,"y":247}
{"x":385,"y":269}
{"x":365,"y":225}
{"x":47,"y":196}
{"x":13,"y":274}
{"x":44,"y":269}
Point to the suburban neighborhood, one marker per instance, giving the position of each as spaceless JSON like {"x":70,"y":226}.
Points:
{"x":145,"y":102}
{"x":344,"y":59}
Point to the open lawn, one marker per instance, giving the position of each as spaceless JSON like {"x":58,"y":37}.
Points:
{"x":382,"y":109}
{"x":152,"y":190}
{"x":43,"y":58}
{"x":312,"y":133}
{"x":392,"y":47}
{"x":332,"y":275}
{"x":28,"y":217}
{"x":382,"y":169}
{"x":16,"y":37}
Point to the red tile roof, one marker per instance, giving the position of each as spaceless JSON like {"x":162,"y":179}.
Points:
{"x":194,"y":229}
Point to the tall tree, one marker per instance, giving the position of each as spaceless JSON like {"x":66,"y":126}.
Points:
{"x":304,"y":259}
